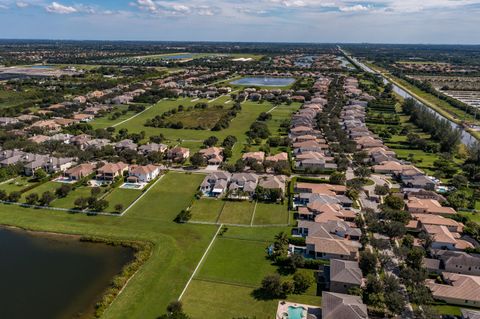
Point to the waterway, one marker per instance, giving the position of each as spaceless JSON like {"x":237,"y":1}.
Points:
{"x":467,"y":138}
{"x":54,"y":276}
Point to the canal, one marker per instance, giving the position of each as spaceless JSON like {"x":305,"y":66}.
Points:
{"x":467,"y":138}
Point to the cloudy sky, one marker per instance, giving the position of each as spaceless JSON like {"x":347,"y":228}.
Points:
{"x":385,"y":21}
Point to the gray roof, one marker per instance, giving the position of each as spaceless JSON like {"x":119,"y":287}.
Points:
{"x":341,"y":306}
{"x":345,"y":271}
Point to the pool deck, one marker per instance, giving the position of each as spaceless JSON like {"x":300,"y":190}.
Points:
{"x":312,"y":311}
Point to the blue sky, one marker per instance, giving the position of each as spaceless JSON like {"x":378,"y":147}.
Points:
{"x":386,"y":21}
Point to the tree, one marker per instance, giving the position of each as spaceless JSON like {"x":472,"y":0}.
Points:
{"x":395,"y":229}
{"x":119,"y":207}
{"x":81,"y":203}
{"x":46,"y":198}
{"x":3,"y":194}
{"x":272,"y":286}
{"x":174,"y":311}
{"x":296,"y":261}
{"x":63,"y":190}
{"x":288,"y":287}
{"x":40,"y":174}
{"x":211,"y":141}
{"x":459,"y":181}
{"x":32,"y":198}
{"x":415,"y":258}
{"x":381,"y":190}
{"x":183,"y":217}
{"x":368,"y":262}
{"x":99,"y":205}
{"x":95,"y":191}
{"x":337,"y":178}
{"x":395,"y":302}
{"x":362,"y":172}
{"x":394,"y":202}
{"x":301,"y":282}
{"x":198,"y":160}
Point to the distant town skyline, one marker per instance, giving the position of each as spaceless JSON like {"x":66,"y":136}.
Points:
{"x":371,"y":21}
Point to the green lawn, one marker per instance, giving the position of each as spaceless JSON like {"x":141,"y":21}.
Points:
{"x":121,"y":196}
{"x":205,"y":118}
{"x":177,"y":247}
{"x":48,"y":186}
{"x":233,"y":270}
{"x":237,"y":261}
{"x":206,"y":209}
{"x":271,"y":214}
{"x":475,"y":217}
{"x":237,"y":213}
{"x":69,"y":200}
{"x":17,"y":184}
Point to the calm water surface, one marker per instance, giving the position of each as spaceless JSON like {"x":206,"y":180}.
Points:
{"x":264,"y":81}
{"x":53,"y":276}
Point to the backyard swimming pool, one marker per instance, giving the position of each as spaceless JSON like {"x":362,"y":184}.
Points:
{"x":296,"y":312}
{"x":264,"y":81}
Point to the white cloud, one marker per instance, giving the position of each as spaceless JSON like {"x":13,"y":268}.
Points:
{"x":355,"y":8}
{"x":56,"y":7}
{"x":21,"y":4}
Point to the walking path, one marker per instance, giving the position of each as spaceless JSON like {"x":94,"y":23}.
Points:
{"x":132,"y":117}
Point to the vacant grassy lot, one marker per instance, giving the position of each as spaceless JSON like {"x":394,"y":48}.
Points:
{"x":48,"y":186}
{"x":177,"y":248}
{"x":206,"y":209}
{"x":17,"y":184}
{"x":237,"y":261}
{"x":279,"y":115}
{"x":271,"y":214}
{"x":234,"y":269}
{"x":121,"y":196}
{"x":237,"y":213}
{"x":69,"y":200}
{"x":203,"y":118}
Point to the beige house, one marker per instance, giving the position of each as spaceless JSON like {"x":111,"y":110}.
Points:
{"x":342,"y":306}
{"x":110,"y":171}
{"x":457,"y":289}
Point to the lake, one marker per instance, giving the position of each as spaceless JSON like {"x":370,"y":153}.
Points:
{"x":264,"y":81}
{"x":178,"y":56}
{"x":54,"y":276}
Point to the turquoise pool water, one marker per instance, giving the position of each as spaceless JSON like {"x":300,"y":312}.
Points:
{"x":264,"y":81}
{"x":295,"y":312}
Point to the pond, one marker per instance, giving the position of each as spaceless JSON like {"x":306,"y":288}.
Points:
{"x":264,"y":81}
{"x":178,"y":56}
{"x":42,"y":67}
{"x":54,"y":276}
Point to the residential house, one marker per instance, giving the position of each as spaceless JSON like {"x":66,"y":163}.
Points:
{"x":458,"y":262}
{"x":178,"y":154}
{"x":273,"y":182}
{"x":126,"y":144}
{"x":215,"y":184}
{"x":142,"y":174}
{"x":258,"y":157}
{"x":280,"y":157}
{"x":213,"y":155}
{"x":152,"y":148}
{"x":342,"y":306}
{"x":457,"y":289}
{"x":428,"y":206}
{"x":80,"y":171}
{"x":343,"y":275}
{"x":110,"y":171}
{"x":242,"y":185}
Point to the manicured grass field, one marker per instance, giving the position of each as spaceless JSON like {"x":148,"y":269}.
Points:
{"x":237,"y":261}
{"x":69,"y":200}
{"x":177,"y":247}
{"x":17,"y":184}
{"x":204,"y":118}
{"x":237,"y":213}
{"x":234,"y":269}
{"x":206,"y":209}
{"x":48,"y":186}
{"x":121,"y":196}
{"x":271,"y":214}
{"x":280,"y":114}
{"x":475,"y":217}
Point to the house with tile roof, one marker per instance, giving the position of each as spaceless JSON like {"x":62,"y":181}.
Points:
{"x":142,"y":173}
{"x":342,"y":306}
{"x":344,"y":275}
{"x":457,"y":289}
